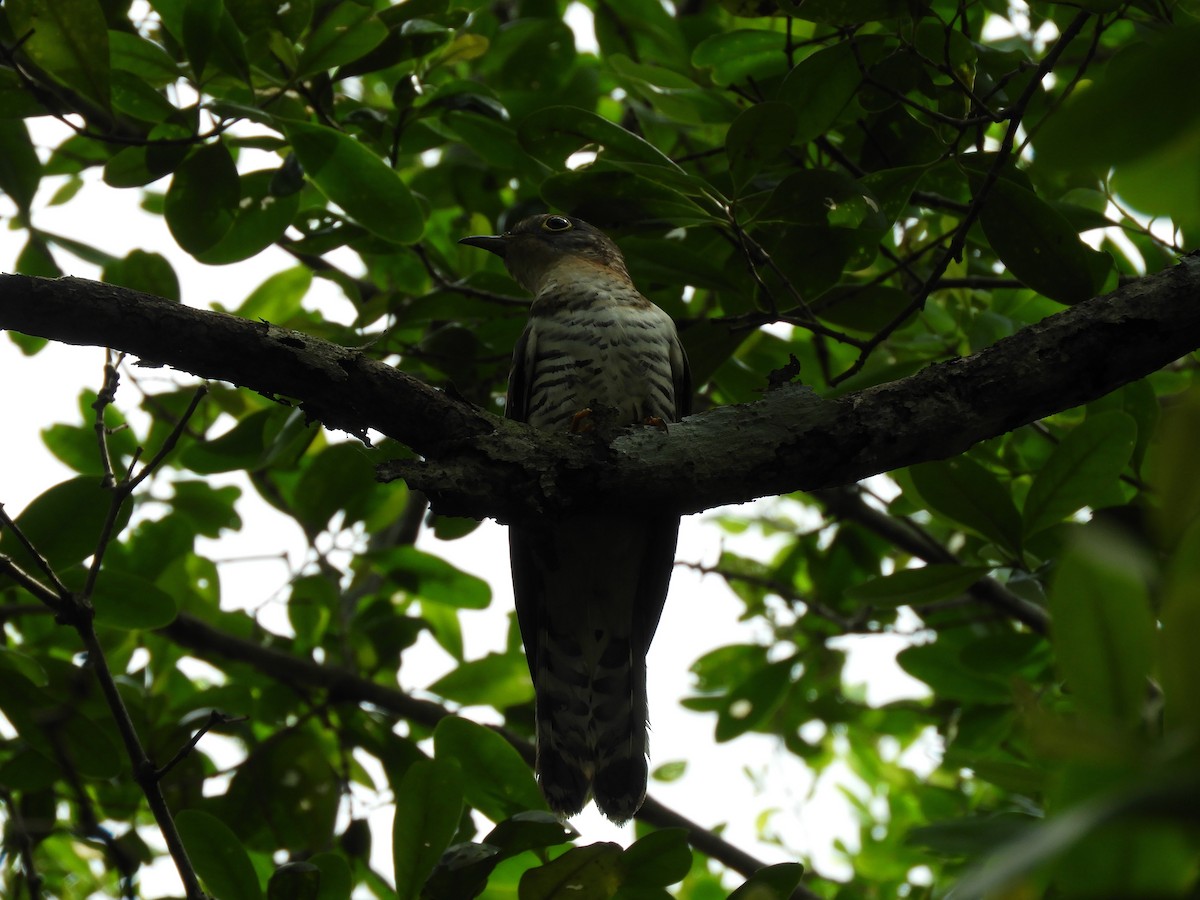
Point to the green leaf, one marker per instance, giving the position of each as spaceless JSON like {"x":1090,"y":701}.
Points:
{"x":1137,"y":88}
{"x":940,"y":666}
{"x":341,"y":477}
{"x":1089,"y":459}
{"x":358,"y":181}
{"x":757,"y":139}
{"x":67,"y":39}
{"x":336,"y":880}
{"x":821,"y":86}
{"x":660,"y":858}
{"x":1103,"y":631}
{"x":201,"y":26}
{"x":617,"y":196}
{"x":202,"y":201}
{"x":20,"y":169}
{"x":845,"y":12}
{"x":740,"y":54}
{"x":498,"y":679}
{"x":143,"y":271}
{"x":911,"y":587}
{"x":128,"y":601}
{"x":496,"y":781}
{"x":1173,"y":468}
{"x":1039,"y":245}
{"x":674,"y":95}
{"x":553,"y":133}
{"x":754,"y":700}
{"x":1180,"y":663}
{"x":260,"y":219}
{"x":25,"y":666}
{"x":966,"y":492}
{"x":295,"y":881}
{"x":138,"y":56}
{"x":775,"y":882}
{"x":279,"y":297}
{"x":428,"y":808}
{"x":218,"y":856}
{"x":531,"y":830}
{"x":63,"y":524}
{"x":432,"y":578}
{"x":286,"y":789}
{"x":347,"y":33}
{"x":583,"y":873}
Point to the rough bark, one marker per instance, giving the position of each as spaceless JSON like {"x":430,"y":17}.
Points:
{"x":479,"y":465}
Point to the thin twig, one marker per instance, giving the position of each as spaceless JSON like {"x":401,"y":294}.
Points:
{"x":215,"y":718}
{"x":954,"y":250}
{"x":18,"y":835}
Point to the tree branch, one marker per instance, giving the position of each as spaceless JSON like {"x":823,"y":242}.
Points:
{"x":479,"y":465}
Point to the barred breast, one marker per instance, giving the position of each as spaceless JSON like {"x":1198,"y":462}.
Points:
{"x":610,"y":355}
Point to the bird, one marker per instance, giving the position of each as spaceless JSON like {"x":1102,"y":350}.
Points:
{"x":589,"y":586}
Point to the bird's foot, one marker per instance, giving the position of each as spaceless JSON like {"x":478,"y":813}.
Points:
{"x":655,"y":422}
{"x":581,"y":422}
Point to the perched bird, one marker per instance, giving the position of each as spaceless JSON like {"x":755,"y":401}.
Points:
{"x":589,"y":587}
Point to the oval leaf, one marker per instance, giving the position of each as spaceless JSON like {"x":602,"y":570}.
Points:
{"x":428,"y":808}
{"x":496,"y":781}
{"x":202,"y":201}
{"x":966,"y":492}
{"x":1103,"y":631}
{"x":358,"y":181}
{"x":910,"y":587}
{"x":218,"y":856}
{"x":1080,"y":469}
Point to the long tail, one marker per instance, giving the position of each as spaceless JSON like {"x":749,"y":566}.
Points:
{"x":591,"y":723}
{"x":589,"y":594}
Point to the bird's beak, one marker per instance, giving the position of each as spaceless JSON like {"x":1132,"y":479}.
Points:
{"x":492,"y":243}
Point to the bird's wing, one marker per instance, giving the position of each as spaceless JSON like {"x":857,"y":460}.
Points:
{"x":516,"y":403}
{"x":681,"y":378}
{"x":528,"y":586}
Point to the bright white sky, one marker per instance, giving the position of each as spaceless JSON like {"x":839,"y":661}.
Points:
{"x":725,"y":783}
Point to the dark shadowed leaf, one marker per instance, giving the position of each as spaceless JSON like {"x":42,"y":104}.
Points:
{"x":295,"y":881}
{"x":63,"y":523}
{"x":1080,"y":470}
{"x":586,"y":873}
{"x":1039,"y":246}
{"x":969,"y":494}
{"x":771,"y":883}
{"x":496,"y":781}
{"x":428,"y":807}
{"x":20,"y":169}
{"x":1104,"y":631}
{"x":757,"y":139}
{"x":347,"y":33}
{"x":659,"y":859}
{"x":928,"y":584}
{"x":202,"y":200}
{"x":67,"y":38}
{"x":218,"y":856}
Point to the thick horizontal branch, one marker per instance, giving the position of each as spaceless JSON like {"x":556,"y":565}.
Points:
{"x":344,"y":389}
{"x":478,"y":465}
{"x":793,"y":440}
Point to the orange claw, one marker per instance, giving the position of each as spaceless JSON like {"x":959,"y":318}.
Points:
{"x":655,"y":422}
{"x":581,"y":422}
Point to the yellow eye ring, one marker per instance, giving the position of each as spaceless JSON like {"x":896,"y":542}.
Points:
{"x":556,"y":223}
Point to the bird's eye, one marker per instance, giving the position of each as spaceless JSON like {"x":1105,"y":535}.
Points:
{"x":556,"y":223}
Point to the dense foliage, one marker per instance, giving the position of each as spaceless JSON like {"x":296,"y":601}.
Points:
{"x":843,"y":192}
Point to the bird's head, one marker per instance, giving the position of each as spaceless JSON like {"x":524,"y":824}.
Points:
{"x":541,"y":245}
